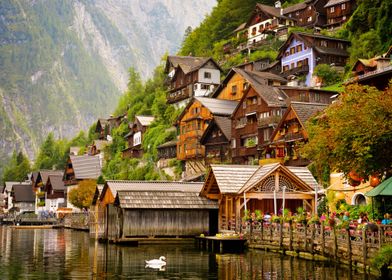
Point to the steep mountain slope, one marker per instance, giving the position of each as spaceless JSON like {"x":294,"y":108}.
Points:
{"x":64,"y":63}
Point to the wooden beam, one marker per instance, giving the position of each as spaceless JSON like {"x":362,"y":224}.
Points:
{"x":268,"y":195}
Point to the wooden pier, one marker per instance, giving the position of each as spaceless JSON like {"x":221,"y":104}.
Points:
{"x":221,"y":244}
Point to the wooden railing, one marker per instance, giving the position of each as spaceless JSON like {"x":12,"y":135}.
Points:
{"x":351,"y":245}
{"x":297,"y":70}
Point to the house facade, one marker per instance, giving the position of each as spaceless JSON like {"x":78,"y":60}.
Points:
{"x":302,"y":52}
{"x":39,"y":187}
{"x":339,"y":12}
{"x":309,"y":13}
{"x":190,"y":76}
{"x":135,"y":136}
{"x":23,"y":198}
{"x":55,"y":193}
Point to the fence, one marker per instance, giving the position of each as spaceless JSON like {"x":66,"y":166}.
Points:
{"x":350,"y":245}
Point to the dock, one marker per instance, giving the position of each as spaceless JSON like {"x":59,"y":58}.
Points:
{"x":32,"y":227}
{"x":221,"y":244}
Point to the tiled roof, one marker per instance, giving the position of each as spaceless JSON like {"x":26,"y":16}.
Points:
{"x":305,"y":175}
{"x":86,"y":167}
{"x":164,"y":200}
{"x":225,"y":125}
{"x":57,"y":182}
{"x":218,"y":106}
{"x":168,"y":144}
{"x":9,"y":184}
{"x":271,"y":10}
{"x":259,"y":174}
{"x":306,"y":110}
{"x":335,"y":2}
{"x":145,"y":120}
{"x":187,"y":63}
{"x":46,"y":173}
{"x":240,"y":27}
{"x":267,"y":76}
{"x":23,"y":193}
{"x":230,"y":178}
{"x":119,"y":185}
{"x":296,"y":7}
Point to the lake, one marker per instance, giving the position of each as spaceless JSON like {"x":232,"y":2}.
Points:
{"x":69,"y":254}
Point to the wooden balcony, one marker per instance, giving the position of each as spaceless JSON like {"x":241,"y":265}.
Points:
{"x":293,"y":136}
{"x":179,"y":95}
{"x":265,"y":122}
{"x":304,"y":69}
{"x":244,"y":151}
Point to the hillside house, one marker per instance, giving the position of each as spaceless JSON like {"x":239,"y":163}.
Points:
{"x":251,"y":187}
{"x":97,"y":147}
{"x":166,"y":152}
{"x":104,"y":127}
{"x":290,"y":134}
{"x":300,"y":54}
{"x":238,"y":81}
{"x":135,"y":136}
{"x":339,"y":12}
{"x":216,"y":140}
{"x":267,"y":20}
{"x":8,"y":199}
{"x":191,"y":124}
{"x":190,"y":77}
{"x":56,"y":193}
{"x":39,"y":185}
{"x":309,"y":13}
{"x":255,"y":65}
{"x":253,"y":121}
{"x":308,"y":94}
{"x":23,"y":198}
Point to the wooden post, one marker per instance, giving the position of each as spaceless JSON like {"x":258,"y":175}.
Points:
{"x":322,"y":239}
{"x":281,"y":235}
{"x":270,"y":225}
{"x":312,"y":240}
{"x":262,"y":230}
{"x":349,"y":252}
{"x":364,"y":248}
{"x":306,"y":237}
{"x":335,"y":243}
{"x":380,"y":236}
{"x":291,"y":236}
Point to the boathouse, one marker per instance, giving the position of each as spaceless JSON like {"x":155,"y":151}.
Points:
{"x":111,"y":211}
{"x":267,"y":188}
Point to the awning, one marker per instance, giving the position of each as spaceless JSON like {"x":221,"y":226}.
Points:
{"x":383,"y":189}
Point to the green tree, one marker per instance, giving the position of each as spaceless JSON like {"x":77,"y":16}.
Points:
{"x":354,"y":133}
{"x":328,"y":75}
{"x":17,"y":168}
{"x":83,"y":194}
{"x":51,"y":154}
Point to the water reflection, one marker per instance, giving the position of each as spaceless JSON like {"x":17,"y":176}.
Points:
{"x":67,"y":254}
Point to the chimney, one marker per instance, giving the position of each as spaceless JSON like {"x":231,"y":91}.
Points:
{"x":278,"y":5}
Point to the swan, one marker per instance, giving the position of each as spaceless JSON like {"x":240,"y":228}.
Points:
{"x":157,"y":262}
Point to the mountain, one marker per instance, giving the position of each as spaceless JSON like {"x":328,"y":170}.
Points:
{"x":65,"y":63}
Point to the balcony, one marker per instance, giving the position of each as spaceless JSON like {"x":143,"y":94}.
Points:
{"x":244,"y":151}
{"x":179,"y":95}
{"x":293,"y":136}
{"x":265,"y":122}
{"x":304,"y":69}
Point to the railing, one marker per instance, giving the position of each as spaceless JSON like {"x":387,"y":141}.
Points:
{"x":350,"y":244}
{"x":352,"y":80}
{"x":268,"y":121}
{"x":296,"y":70}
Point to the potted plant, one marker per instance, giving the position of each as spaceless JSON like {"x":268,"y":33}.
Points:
{"x":259,"y":216}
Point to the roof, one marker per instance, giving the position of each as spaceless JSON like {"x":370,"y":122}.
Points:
{"x":164,"y":200}
{"x":86,"y":167}
{"x":218,"y":106}
{"x":296,"y":7}
{"x":384,"y":189}
{"x":46,"y":173}
{"x":223,"y":123}
{"x":23,"y":193}
{"x":367,"y":62}
{"x":302,"y":173}
{"x":187,"y":63}
{"x":8,"y":185}
{"x":334,"y":2}
{"x":101,"y":144}
{"x":145,"y":120}
{"x":305,"y":111}
{"x":57,"y":182}
{"x":271,"y":10}
{"x":119,"y":185}
{"x":168,"y":144}
{"x":242,"y":26}
{"x":230,"y":178}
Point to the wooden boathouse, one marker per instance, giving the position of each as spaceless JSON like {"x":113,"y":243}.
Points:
{"x":129,"y":211}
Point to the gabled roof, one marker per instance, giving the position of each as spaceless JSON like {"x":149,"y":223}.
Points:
{"x":268,"y":10}
{"x":383,"y":189}
{"x":168,"y":144}
{"x":163,"y":200}
{"x":273,"y":96}
{"x":296,"y":7}
{"x":145,"y":120}
{"x":242,"y":26}
{"x":34,"y":176}
{"x":8,"y":185}
{"x":86,"y":167}
{"x":218,"y":107}
{"x":335,"y":2}
{"x":44,"y":174}
{"x":230,"y":178}
{"x":223,"y":123}
{"x":188,"y":63}
{"x":302,"y":176}
{"x":121,"y":185}
{"x":57,"y":182}
{"x":305,"y":37}
{"x":23,"y":193}
{"x":366,"y":62}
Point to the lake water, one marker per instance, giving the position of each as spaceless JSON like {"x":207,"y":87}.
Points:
{"x":68,"y":254}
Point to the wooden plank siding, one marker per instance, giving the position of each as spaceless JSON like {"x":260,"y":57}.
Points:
{"x":234,"y":89}
{"x":339,"y":13}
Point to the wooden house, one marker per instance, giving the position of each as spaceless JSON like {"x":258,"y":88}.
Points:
{"x":267,"y":20}
{"x":301,"y":52}
{"x":112,"y":213}
{"x":290,"y":134}
{"x":23,"y":198}
{"x":7,"y":190}
{"x":135,"y":136}
{"x":166,"y":152}
{"x":55,"y":193}
{"x":256,"y":65}
{"x":191,"y":124}
{"x":339,"y":12}
{"x":253,"y":121}
{"x":102,"y":129}
{"x":309,"y":94}
{"x":190,"y":76}
{"x":80,"y":168}
{"x":39,"y":186}
{"x":238,"y":80}
{"x":97,"y":147}
{"x":240,"y":187}
{"x":309,"y":13}
{"x":216,"y":140}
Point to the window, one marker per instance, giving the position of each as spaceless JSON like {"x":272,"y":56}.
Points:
{"x":285,"y":68}
{"x":302,"y":96}
{"x":233,"y":143}
{"x":343,"y":6}
{"x":266,"y":134}
{"x":292,"y":50}
{"x":205,"y":87}
{"x":340,"y":45}
{"x":309,"y":8}
{"x":234,"y":89}
{"x":195,"y":86}
{"x":254,"y":31}
{"x":324,"y":43}
{"x":292,"y":65}
{"x":332,"y":9}
{"x":243,"y":105}
{"x":299,"y":48}
{"x":287,"y":53}
{"x":299,"y":63}
{"x":207,"y":75}
{"x":310,"y":19}
{"x":317,"y":97}
{"x":344,"y":18}
{"x":297,"y":13}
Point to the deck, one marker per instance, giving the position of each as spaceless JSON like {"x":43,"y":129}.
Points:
{"x":221,"y":244}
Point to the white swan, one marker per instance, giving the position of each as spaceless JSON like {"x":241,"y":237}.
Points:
{"x":157,"y":262}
